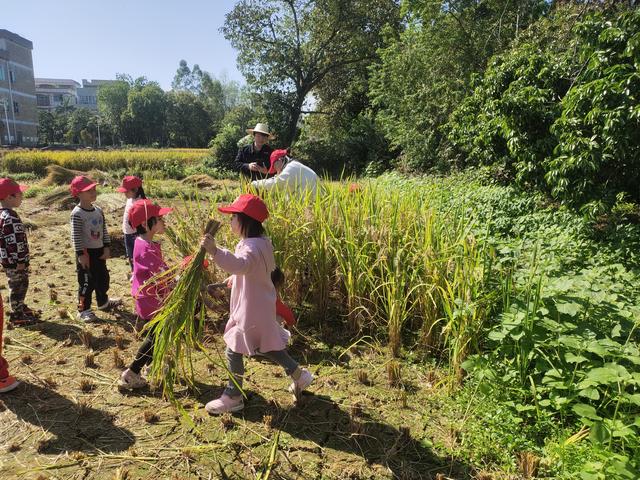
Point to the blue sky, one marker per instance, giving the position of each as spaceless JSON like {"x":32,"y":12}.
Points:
{"x":88,"y":39}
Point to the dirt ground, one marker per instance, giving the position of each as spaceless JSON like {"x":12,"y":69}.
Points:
{"x":68,"y":420}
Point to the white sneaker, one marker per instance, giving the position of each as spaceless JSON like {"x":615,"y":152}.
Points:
{"x":302,"y":383}
{"x":110,"y":304}
{"x":131,"y":380}
{"x":87,"y":316}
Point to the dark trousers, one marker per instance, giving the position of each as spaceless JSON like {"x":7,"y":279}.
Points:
{"x":96,"y":277}
{"x":144,"y":355}
{"x":129,"y":242}
{"x":18,"y":281}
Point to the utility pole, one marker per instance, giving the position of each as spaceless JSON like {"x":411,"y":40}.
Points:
{"x":98,"y":123}
{"x":6,"y":119}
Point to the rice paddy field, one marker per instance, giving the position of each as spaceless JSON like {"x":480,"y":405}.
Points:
{"x":456,"y":328}
{"x":132,"y":160}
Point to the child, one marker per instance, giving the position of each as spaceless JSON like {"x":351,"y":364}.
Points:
{"x":252,"y":328}
{"x":90,"y":241}
{"x":148,"y":221}
{"x":132,"y":189}
{"x":14,"y":252}
{"x":7,"y":382}
{"x":283,"y":312}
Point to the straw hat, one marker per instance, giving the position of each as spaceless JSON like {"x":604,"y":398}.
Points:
{"x":260,"y":128}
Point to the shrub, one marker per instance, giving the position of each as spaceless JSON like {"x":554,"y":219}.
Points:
{"x":224,"y":147}
{"x":598,"y":155}
{"x":344,"y":148}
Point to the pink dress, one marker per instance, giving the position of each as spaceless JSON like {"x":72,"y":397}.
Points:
{"x":252,"y":325}
{"x":147,"y":262}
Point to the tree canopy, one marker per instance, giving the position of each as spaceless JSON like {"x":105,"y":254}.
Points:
{"x":287,"y":48}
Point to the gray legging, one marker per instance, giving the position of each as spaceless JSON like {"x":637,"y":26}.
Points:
{"x":235,"y":363}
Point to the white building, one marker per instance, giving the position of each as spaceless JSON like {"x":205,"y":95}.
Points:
{"x":56,"y":92}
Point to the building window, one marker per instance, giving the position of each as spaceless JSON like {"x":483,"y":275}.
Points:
{"x":12,"y":76}
{"x":16,"y":107}
{"x":57,"y":98}
{"x":2,"y":74}
{"x":42,"y":100}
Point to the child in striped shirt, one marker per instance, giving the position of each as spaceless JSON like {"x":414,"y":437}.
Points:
{"x":91,"y":243}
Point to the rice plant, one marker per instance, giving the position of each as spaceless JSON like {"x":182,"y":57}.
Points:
{"x":178,"y":326}
{"x":397,"y":260}
{"x":36,"y":161}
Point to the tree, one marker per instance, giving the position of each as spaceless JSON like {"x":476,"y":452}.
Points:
{"x":192,"y":80}
{"x":224,"y":146}
{"x":52,"y":124}
{"x":188,"y":122}
{"x":112,"y":103}
{"x":218,"y":96}
{"x":46,"y":127}
{"x":81,"y":127}
{"x":427,"y":68}
{"x":145,"y":116}
{"x":597,"y":160}
{"x":505,"y":122}
{"x":288,"y":47}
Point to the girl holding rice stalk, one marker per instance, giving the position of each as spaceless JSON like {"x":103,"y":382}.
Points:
{"x":147,"y":219}
{"x":253,"y":328}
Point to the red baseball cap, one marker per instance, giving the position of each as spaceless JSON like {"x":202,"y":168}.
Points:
{"x":143,"y":210}
{"x":8,"y":186}
{"x":81,"y":184}
{"x":248,"y":204}
{"x":275,"y":156}
{"x":130,"y":182}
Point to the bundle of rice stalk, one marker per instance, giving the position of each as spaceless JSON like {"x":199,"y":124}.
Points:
{"x":201,"y":181}
{"x":184,"y":235}
{"x":178,"y":326}
{"x":57,"y":175}
{"x":59,"y":198}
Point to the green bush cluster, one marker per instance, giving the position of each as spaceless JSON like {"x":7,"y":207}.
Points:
{"x":560,"y":111}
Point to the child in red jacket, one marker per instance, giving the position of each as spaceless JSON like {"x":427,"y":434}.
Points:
{"x":7,"y":382}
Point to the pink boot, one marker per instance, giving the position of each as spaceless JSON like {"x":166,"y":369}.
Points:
{"x":224,"y":404}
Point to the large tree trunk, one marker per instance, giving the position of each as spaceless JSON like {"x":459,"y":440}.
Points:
{"x":292,"y":128}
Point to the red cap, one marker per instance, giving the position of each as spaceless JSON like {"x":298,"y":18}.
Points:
{"x":275,"y":156}
{"x":130,"y":182}
{"x":248,"y":204}
{"x":81,"y":184}
{"x":8,"y":186}
{"x":143,"y":210}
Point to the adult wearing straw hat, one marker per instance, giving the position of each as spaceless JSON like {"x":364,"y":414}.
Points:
{"x":253,"y":160}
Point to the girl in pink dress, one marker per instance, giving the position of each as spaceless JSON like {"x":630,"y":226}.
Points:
{"x":253,"y":328}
